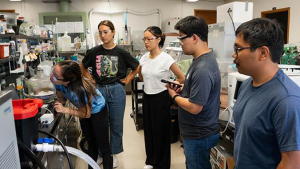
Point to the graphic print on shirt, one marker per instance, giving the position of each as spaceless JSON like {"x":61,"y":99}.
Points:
{"x":106,"y":65}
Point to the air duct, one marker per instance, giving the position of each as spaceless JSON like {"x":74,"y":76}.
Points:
{"x":64,"y":5}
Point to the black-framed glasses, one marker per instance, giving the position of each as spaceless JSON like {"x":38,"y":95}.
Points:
{"x":238,"y":49}
{"x":181,"y":38}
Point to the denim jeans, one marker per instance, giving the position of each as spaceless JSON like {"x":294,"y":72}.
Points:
{"x":197,"y":152}
{"x":115,"y":98}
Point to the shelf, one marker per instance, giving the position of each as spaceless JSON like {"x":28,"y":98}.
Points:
{"x":29,"y":37}
{"x":7,"y":59}
{"x":11,"y":36}
{"x":5,"y":36}
{"x":69,"y":53}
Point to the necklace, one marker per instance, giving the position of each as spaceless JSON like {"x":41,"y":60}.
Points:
{"x":110,"y":50}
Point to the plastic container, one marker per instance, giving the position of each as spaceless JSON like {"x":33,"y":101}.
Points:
{"x":26,"y":121}
{"x":59,"y":44}
{"x":2,"y":29}
{"x":66,"y":42}
{"x":4,"y":50}
{"x":24,"y":47}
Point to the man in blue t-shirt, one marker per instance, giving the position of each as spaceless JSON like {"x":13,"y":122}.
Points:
{"x":199,"y":98}
{"x":267,"y":110}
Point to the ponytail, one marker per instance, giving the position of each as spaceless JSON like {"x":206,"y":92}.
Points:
{"x":90,"y":90}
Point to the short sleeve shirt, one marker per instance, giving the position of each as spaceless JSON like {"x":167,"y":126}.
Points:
{"x":153,"y":70}
{"x":109,"y":66}
{"x":267,"y":122}
{"x":202,"y":86}
{"x":97,"y":104}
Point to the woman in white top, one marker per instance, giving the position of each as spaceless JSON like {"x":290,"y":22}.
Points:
{"x":156,"y":65}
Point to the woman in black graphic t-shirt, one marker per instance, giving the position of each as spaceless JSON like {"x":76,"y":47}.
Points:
{"x":109,"y":65}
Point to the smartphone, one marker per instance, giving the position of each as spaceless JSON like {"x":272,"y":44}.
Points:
{"x":169,"y":82}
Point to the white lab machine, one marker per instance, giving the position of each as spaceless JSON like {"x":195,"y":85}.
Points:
{"x":236,"y":79}
{"x":221,"y":38}
{"x":9,"y":155}
{"x":174,"y":49}
{"x":239,"y":11}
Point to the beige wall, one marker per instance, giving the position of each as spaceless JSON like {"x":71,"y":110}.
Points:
{"x":169,"y":8}
{"x":266,"y":5}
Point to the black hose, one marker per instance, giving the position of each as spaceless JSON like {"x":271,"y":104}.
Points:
{"x":62,"y":145}
{"x":30,"y":154}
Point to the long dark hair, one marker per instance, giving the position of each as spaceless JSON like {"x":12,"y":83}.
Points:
{"x":156,"y":31}
{"x":80,"y":85}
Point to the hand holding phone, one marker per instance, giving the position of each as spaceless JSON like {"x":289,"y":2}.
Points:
{"x":169,"y":82}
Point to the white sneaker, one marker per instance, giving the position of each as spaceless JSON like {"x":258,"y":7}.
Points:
{"x":99,"y":160}
{"x":115,"y":161}
{"x":148,"y":167}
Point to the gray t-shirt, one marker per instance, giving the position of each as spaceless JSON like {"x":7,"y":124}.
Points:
{"x":202,"y":86}
{"x":267,"y":122}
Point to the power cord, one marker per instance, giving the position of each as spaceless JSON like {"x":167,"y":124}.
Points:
{"x":229,"y":119}
{"x":47,"y":110}
{"x":229,"y":11}
{"x":62,"y":145}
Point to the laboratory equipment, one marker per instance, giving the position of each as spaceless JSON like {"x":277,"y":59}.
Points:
{"x":235,"y":12}
{"x":26,"y":122}
{"x":9,"y":154}
{"x":66,"y":42}
{"x":236,"y":79}
{"x":39,"y":86}
{"x":221,"y":38}
{"x":174,"y":49}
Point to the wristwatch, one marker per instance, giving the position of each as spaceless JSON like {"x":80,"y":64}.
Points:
{"x":174,"y":97}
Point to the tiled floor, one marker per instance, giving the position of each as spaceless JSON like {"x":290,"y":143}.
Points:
{"x":134,"y":156}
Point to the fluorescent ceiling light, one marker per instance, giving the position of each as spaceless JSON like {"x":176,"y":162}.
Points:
{"x":15,"y":0}
{"x":191,"y":0}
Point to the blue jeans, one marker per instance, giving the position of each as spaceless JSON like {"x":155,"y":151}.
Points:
{"x":115,"y":98}
{"x":197,"y":152}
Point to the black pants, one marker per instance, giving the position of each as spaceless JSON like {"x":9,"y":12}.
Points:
{"x":95,"y":130}
{"x":156,"y":118}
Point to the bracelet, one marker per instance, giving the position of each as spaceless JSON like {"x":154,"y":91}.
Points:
{"x":174,"y":97}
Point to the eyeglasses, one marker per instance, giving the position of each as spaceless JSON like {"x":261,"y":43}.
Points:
{"x":54,"y":76}
{"x":181,"y":38}
{"x":238,"y":49}
{"x":148,"y":39}
{"x":104,"y":32}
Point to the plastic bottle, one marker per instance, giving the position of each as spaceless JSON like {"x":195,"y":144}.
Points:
{"x":24,"y":47}
{"x":12,"y":47}
{"x":20,"y":88}
{"x":18,"y":44}
{"x":3,"y":84}
{"x":2,"y":31}
{"x":66,"y":42}
{"x":59,"y":44}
